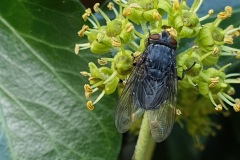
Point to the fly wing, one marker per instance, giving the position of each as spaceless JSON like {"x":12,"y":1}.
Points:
{"x":161,"y":120}
{"x":152,"y":93}
{"x":128,"y":108}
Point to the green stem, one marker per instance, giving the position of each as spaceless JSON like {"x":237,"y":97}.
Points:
{"x":145,"y":144}
{"x":150,"y":149}
{"x":133,"y":45}
{"x":195,"y":6}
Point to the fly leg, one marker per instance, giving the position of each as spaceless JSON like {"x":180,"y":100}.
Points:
{"x":186,"y":70}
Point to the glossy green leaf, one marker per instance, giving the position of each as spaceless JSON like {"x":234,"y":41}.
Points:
{"x":43,"y":112}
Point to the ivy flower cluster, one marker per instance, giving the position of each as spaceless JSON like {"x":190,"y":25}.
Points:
{"x":125,"y":37}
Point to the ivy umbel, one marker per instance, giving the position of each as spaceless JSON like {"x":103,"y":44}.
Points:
{"x":205,"y":89}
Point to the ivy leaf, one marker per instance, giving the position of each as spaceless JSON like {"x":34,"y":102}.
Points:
{"x":43,"y":112}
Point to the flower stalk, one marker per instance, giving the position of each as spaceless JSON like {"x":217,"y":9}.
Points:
{"x":144,"y":143}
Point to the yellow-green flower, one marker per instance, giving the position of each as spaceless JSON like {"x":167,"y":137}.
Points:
{"x":206,"y":88}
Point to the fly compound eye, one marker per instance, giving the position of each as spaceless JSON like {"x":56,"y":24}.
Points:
{"x":154,"y":37}
{"x":172,"y":41}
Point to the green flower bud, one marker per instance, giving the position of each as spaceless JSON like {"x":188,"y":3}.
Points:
{"x":94,"y":71}
{"x":186,"y":32}
{"x":210,"y":60}
{"x":127,"y":33}
{"x":99,"y":48}
{"x":218,"y":35}
{"x":93,"y":81}
{"x":134,"y":14}
{"x":213,"y":81}
{"x":196,"y":69}
{"x":101,"y":75}
{"x":190,"y":19}
{"x":123,"y":63}
{"x":110,"y":86}
{"x":92,"y":36}
{"x":204,"y":38}
{"x":102,"y":38}
{"x":114,"y":28}
{"x":165,"y":7}
{"x":209,"y":40}
{"x":152,"y":15}
{"x":213,"y":57}
{"x":209,"y":35}
{"x":187,"y":24}
{"x":186,"y":60}
{"x":203,"y":87}
{"x":176,"y":21}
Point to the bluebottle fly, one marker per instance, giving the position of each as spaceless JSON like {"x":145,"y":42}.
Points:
{"x":151,"y":88}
